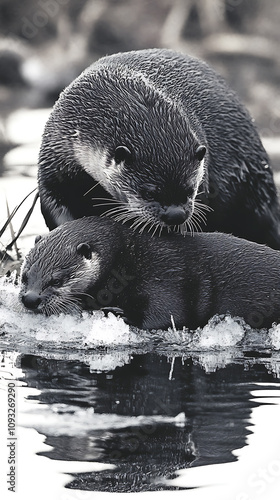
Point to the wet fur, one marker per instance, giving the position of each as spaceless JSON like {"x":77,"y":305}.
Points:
{"x":162,"y":105}
{"x":190,"y":278}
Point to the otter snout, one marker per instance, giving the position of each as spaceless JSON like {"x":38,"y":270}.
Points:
{"x":174,"y":215}
{"x":31,"y":300}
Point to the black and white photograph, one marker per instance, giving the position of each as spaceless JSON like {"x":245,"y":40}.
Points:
{"x":139,"y":249}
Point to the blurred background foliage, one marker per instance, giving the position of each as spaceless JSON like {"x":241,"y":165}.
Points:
{"x":44,"y":44}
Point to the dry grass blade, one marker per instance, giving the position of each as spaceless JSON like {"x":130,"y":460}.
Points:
{"x":14,"y":211}
{"x":12,"y":230}
{"x":24,"y":222}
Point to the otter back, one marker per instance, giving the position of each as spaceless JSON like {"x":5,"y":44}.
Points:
{"x":157,"y":139}
{"x":95,"y":263}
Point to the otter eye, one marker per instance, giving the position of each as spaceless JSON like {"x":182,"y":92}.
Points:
{"x":148,"y":193}
{"x":200,"y":152}
{"x":55,"y":282}
{"x":123,"y":154}
{"x":84,"y":250}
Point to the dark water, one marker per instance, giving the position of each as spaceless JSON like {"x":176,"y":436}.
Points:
{"x":217,"y":408}
{"x":149,"y":417}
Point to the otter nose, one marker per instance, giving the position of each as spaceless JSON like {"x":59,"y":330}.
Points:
{"x":174,"y":215}
{"x":31,"y":300}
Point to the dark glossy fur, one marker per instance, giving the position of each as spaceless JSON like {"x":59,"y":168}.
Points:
{"x":191,"y":278}
{"x":104,"y":108}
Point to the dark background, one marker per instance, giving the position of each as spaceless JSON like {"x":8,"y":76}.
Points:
{"x":44,"y":44}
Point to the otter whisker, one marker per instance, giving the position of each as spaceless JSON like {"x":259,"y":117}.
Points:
{"x":125,"y":217}
{"x":202,"y":210}
{"x":93,"y":187}
{"x":148,"y":222}
{"x":145,"y":224}
{"x":116,"y":216}
{"x":102,"y":204}
{"x":115,"y":211}
{"x":120,"y":207}
{"x":137,"y":227}
{"x":203,"y":206}
{"x":48,"y":310}
{"x":63,"y":305}
{"x":182,"y":229}
{"x":196,"y":225}
{"x":158,"y":225}
{"x":122,"y":211}
{"x":190,"y":225}
{"x":136,"y":212}
{"x":138,"y":222}
{"x":127,"y":208}
{"x":199,"y":221}
{"x":109,"y":199}
{"x":69,"y":299}
{"x":177,"y":229}
{"x":82,"y":294}
{"x":152,"y":225}
{"x":108,"y":202}
{"x":199,"y":211}
{"x":52,"y":309}
{"x":199,"y":216}
{"x":155,"y":230}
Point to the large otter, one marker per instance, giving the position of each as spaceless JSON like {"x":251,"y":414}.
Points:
{"x":151,"y":137}
{"x":94,"y":263}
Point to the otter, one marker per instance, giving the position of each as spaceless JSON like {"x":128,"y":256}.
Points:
{"x":157,"y":140}
{"x":96,"y":263}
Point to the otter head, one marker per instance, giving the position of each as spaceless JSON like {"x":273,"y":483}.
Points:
{"x":59,"y":270}
{"x":136,"y":143}
{"x":158,"y":191}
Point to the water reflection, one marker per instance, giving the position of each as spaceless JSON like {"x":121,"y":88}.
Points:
{"x":127,"y":417}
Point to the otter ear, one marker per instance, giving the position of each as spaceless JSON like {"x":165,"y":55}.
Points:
{"x":200,"y":152}
{"x":38,"y":238}
{"x":84,"y":250}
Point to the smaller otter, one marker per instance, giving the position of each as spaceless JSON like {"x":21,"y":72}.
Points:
{"x":95,"y":263}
